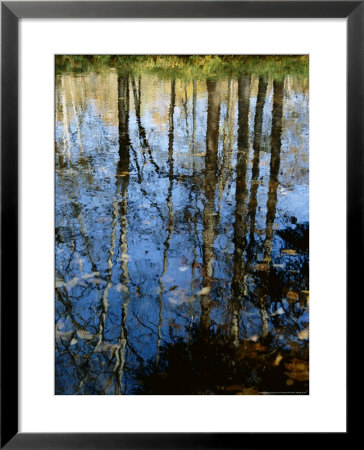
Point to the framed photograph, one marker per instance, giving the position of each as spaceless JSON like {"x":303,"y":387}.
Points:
{"x":178,"y":181}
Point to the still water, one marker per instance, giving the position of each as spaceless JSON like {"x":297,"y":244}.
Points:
{"x":181,"y":234}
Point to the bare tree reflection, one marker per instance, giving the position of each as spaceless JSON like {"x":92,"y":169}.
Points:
{"x":272,"y":189}
{"x":240,"y":226}
{"x":170,"y":212}
{"x":211,"y":165}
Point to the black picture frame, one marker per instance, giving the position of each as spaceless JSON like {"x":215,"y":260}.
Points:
{"x":11,"y":12}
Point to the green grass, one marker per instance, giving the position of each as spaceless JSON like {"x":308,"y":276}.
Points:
{"x":190,"y":67}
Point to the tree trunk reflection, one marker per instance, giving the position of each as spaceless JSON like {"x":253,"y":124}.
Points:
{"x":241,"y":191}
{"x":211,"y":160}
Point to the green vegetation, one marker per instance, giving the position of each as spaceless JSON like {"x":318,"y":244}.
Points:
{"x":189,"y":67}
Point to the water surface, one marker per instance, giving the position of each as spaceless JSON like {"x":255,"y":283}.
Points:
{"x":181,"y":233}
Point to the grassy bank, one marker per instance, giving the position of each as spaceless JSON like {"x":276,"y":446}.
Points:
{"x":189,"y":67}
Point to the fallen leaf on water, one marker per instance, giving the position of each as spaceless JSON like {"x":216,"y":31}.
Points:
{"x":303,"y":334}
{"x":298,"y":376}
{"x":183,"y":268}
{"x":292,"y":295}
{"x":73,"y":341}
{"x":74,"y":281}
{"x":204,"y":291}
{"x":296,"y":365}
{"x":279,"y":312}
{"x":290,"y":252}
{"x":297,"y":370}
{"x":277,"y":360}
{"x":201,"y":154}
{"x":263,"y":267}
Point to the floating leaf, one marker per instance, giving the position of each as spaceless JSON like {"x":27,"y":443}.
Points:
{"x":279,"y":312}
{"x":290,"y":252}
{"x":298,"y":376}
{"x":297,"y":365}
{"x":73,"y":341}
{"x":297,"y":370}
{"x":303,"y":334}
{"x":183,"y":268}
{"x":263,"y":267}
{"x":204,"y":291}
{"x":293,"y":295}
{"x":74,"y":281}
{"x":277,"y":360}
